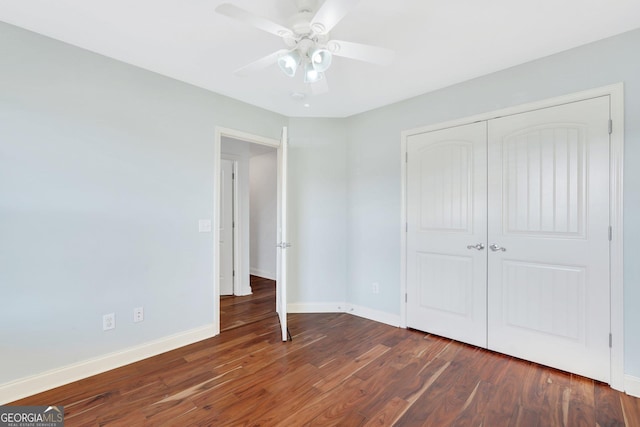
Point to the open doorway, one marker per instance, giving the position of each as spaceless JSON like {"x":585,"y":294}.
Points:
{"x":237,"y":154}
{"x":248,"y":222}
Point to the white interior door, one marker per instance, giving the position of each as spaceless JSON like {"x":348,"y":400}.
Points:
{"x":447,"y":233}
{"x":226,"y":227}
{"x":282,"y":244}
{"x":548,"y":293}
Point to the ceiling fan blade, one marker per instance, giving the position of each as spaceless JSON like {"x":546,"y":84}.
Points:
{"x":319,"y":87}
{"x":361,"y":52}
{"x":234,"y":12}
{"x":330,"y":13}
{"x":261,"y":63}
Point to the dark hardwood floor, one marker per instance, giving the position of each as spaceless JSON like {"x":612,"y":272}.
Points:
{"x":239,"y":311}
{"x":339,"y":370}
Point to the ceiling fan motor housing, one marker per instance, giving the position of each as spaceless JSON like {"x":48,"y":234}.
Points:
{"x":300,"y":23}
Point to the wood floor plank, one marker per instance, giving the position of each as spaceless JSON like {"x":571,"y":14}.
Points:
{"x":474,"y":409}
{"x":582,"y":404}
{"x":580,"y":415}
{"x":389,"y":412}
{"x":583,"y":390}
{"x":608,"y":407}
{"x":503,"y":407}
{"x":427,"y":378}
{"x":292,"y":395}
{"x":630,"y":409}
{"x":339,"y":370}
{"x":326,"y":409}
{"x":347,"y":368}
{"x":534,"y":386}
{"x":407,"y":383}
{"x":233,"y":408}
{"x":430,"y":348}
{"x":526,"y":417}
{"x":551,"y":410}
{"x":450,"y":392}
{"x":165,"y":413}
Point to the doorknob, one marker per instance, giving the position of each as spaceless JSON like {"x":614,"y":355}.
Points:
{"x":479,"y":246}
{"x":496,"y":248}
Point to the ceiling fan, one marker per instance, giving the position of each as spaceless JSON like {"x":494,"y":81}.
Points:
{"x":307,"y":41}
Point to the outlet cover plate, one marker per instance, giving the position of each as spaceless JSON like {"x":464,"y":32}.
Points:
{"x":138,"y":314}
{"x":108,"y":321}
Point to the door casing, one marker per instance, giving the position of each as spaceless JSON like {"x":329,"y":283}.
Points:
{"x":616,"y":159}
{"x":231,"y":243}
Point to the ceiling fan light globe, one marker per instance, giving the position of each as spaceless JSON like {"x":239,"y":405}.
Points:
{"x":311,"y":75}
{"x":320,"y":59}
{"x":288,"y":63}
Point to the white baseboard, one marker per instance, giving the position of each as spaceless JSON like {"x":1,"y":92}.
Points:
{"x":317,"y":307}
{"x":343,"y":307}
{"x":29,"y":386}
{"x":378,"y":316}
{"x":263,"y":273}
{"x":632,"y":385}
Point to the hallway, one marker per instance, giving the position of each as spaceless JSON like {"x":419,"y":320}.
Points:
{"x":239,"y":311}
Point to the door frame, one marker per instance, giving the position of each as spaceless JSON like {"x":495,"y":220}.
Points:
{"x":616,"y":163}
{"x":236,"y":285}
{"x":221,"y":132}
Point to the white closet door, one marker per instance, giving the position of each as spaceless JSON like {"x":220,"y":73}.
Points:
{"x":446,"y":214}
{"x":548,"y":197}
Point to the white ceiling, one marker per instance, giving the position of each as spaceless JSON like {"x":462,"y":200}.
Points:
{"x":437,"y":43}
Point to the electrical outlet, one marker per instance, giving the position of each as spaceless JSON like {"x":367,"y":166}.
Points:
{"x":138,"y":314}
{"x":108,"y":321}
{"x":375,"y":287}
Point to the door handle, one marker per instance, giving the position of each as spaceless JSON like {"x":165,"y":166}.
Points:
{"x":478,"y":246}
{"x":496,"y":248}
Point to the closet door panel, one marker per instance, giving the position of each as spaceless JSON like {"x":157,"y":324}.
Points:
{"x":446,"y":214}
{"x":548,"y":263}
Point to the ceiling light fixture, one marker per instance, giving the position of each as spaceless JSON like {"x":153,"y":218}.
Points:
{"x":289,"y":63}
{"x":315,"y":60}
{"x":320,"y":59}
{"x":308,"y":43}
{"x":311,"y":75}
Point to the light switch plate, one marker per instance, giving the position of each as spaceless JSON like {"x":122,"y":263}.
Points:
{"x":204,"y":226}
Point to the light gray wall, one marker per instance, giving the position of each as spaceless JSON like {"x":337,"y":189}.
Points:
{"x":317,"y":211}
{"x":263,"y":181}
{"x":105,"y":170}
{"x":374,"y":163}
